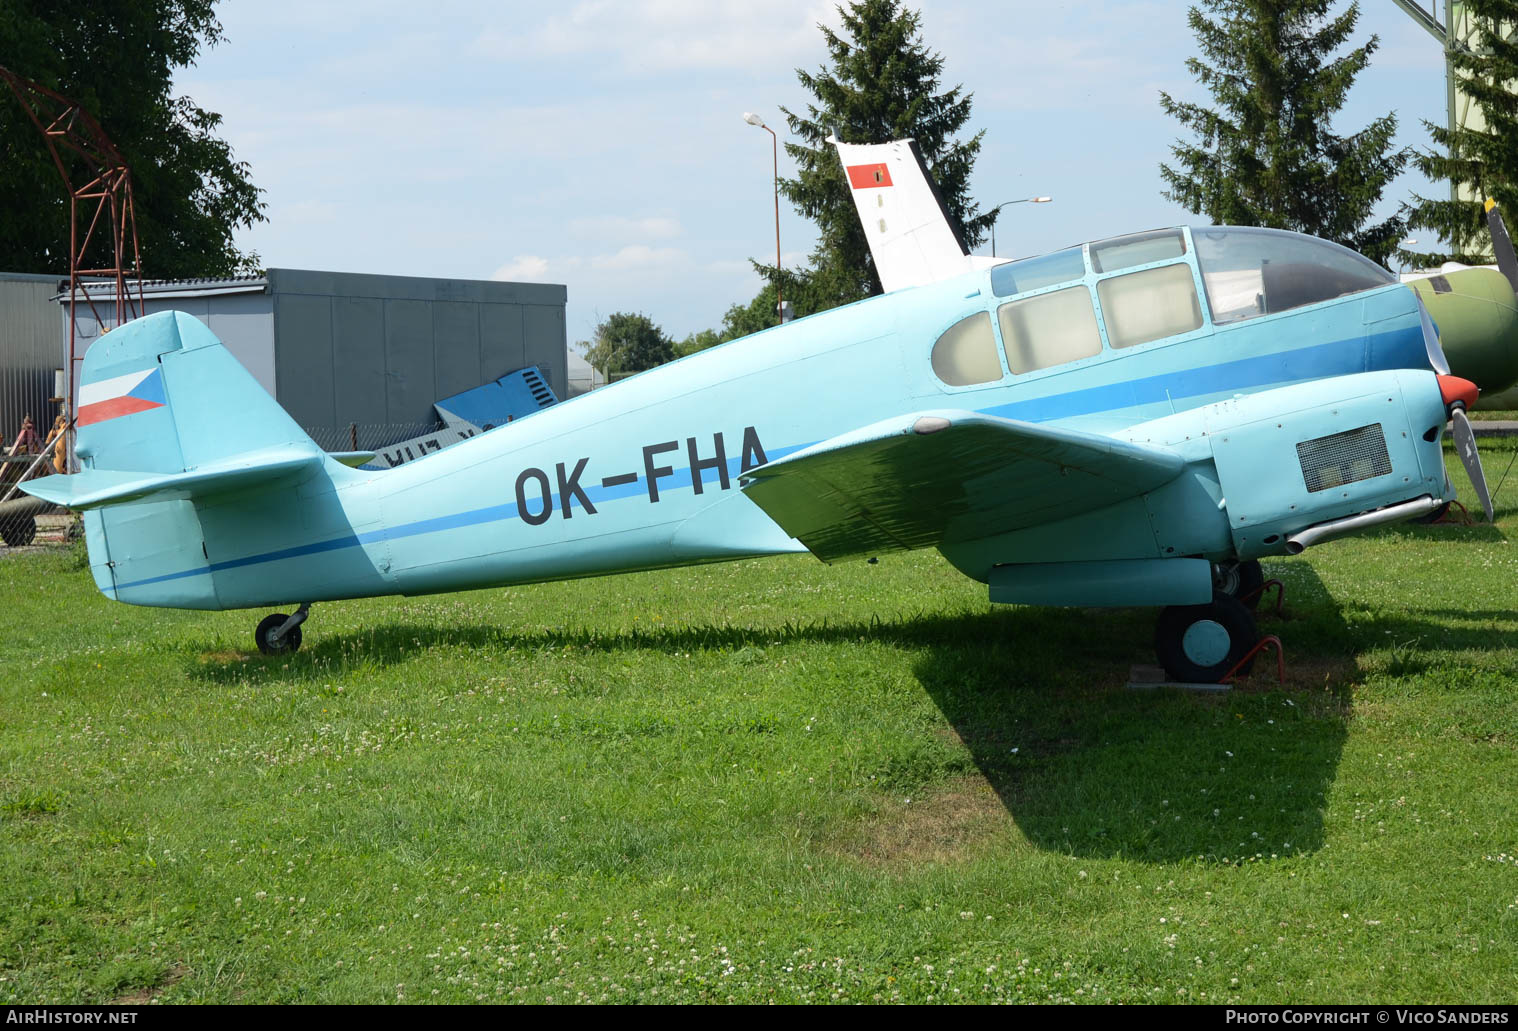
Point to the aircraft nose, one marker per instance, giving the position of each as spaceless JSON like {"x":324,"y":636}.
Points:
{"x":1454,"y":389}
{"x":1474,"y":309}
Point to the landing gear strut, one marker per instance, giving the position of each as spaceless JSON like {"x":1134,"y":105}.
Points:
{"x":280,"y":633}
{"x":1199,"y":644}
{"x":1244,"y":580}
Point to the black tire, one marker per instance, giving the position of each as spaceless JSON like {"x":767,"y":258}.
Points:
{"x":1198,"y":644}
{"x":1244,"y":580}
{"x":18,"y":531}
{"x":1437,"y":514}
{"x":264,"y":635}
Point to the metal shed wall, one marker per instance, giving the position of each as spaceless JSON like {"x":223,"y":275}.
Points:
{"x":239,"y":311}
{"x":29,"y":357}
{"x":369,"y":349}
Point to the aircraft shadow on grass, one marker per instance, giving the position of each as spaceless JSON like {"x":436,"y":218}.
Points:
{"x":1083,"y":765}
{"x":1087,"y":767}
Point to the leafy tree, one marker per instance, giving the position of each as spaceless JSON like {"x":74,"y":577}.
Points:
{"x":1482,"y":162}
{"x":117,"y":59}
{"x":882,"y":84}
{"x":807,"y":292}
{"x":1266,"y":154}
{"x":698,"y":342}
{"x":626,"y":343}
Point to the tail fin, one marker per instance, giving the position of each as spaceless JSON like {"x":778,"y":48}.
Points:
{"x":911,"y":235}
{"x":167,"y":417}
{"x":162,"y":395}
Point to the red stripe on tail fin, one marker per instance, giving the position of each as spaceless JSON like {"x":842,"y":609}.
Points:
{"x":868,"y":177}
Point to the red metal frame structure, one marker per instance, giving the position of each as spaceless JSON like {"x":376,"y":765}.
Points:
{"x":103,"y":190}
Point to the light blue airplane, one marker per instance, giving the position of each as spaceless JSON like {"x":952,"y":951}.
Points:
{"x":1134,"y":421}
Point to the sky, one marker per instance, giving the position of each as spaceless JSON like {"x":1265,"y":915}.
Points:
{"x":601,"y":144}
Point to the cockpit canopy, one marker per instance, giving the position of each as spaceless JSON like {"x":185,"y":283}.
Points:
{"x":1127,"y":291}
{"x":1252,"y":272}
{"x":1246,"y":272}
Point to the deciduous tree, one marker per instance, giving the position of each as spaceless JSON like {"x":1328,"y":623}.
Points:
{"x":626,"y":343}
{"x":117,"y":59}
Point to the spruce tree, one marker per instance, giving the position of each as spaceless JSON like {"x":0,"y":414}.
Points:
{"x":882,"y":84}
{"x":1266,"y":153}
{"x":1483,"y":163}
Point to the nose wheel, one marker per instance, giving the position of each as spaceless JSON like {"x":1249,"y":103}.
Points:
{"x":1199,"y":644}
{"x":280,"y":633}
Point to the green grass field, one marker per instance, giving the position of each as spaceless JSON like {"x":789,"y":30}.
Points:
{"x":764,"y":781}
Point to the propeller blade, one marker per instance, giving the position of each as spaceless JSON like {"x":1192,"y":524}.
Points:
{"x":1502,"y":244}
{"x":1431,"y":344}
{"x":1465,"y":444}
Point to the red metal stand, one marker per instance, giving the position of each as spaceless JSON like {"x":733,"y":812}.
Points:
{"x":1259,"y":592}
{"x":1464,"y":520}
{"x":1227,"y":678}
{"x":103,"y":190}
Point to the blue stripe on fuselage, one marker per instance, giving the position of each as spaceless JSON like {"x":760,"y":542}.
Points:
{"x":1340,"y":358}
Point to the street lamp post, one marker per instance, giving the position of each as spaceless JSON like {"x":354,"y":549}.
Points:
{"x":753,"y":119}
{"x":1020,"y":200}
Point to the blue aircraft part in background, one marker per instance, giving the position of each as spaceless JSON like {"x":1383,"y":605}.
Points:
{"x":1134,"y":421}
{"x":498,"y":402}
{"x":513,"y":396}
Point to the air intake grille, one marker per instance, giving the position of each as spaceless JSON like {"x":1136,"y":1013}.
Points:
{"x":541,"y":393}
{"x":1344,"y":457}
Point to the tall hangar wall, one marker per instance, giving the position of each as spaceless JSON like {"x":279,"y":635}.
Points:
{"x":358,"y":357}
{"x":378,"y":350}
{"x":28,"y":351}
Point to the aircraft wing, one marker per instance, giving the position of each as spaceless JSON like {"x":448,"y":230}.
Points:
{"x":911,"y":236}
{"x":933,"y":478}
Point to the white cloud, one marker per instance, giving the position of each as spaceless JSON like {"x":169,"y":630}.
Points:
{"x":638,"y":256}
{"x":524,"y":268}
{"x":614,"y":228}
{"x":669,"y":35}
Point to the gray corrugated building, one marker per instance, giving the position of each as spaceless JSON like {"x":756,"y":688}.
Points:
{"x":29,"y":326}
{"x":341,"y":350}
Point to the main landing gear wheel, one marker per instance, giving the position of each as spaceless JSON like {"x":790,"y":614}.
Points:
{"x":1198,"y":644}
{"x":1244,"y":580}
{"x":1428,"y":518}
{"x":270,"y":641}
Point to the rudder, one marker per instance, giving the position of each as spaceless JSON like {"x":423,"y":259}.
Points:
{"x":161,"y":394}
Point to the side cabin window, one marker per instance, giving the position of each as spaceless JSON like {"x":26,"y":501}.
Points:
{"x":966,"y":353}
{"x":1019,"y":277}
{"x":1144,"y":306}
{"x":1252,"y":272}
{"x":1122,"y":252}
{"x":1049,"y":329}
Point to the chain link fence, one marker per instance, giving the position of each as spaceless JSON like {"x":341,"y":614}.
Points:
{"x":376,"y":436}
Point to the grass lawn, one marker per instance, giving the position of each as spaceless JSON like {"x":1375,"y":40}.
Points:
{"x":771,"y":780}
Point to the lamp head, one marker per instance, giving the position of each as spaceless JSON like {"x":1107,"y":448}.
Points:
{"x":753,"y":119}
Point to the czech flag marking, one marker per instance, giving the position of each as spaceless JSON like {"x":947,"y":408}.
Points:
{"x":121,"y":395}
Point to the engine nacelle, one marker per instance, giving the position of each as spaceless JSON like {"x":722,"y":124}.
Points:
{"x":1300,"y":456}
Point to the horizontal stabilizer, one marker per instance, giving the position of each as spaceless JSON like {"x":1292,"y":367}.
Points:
{"x":352,"y":459}
{"x":945,"y":477}
{"x":96,"y":488}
